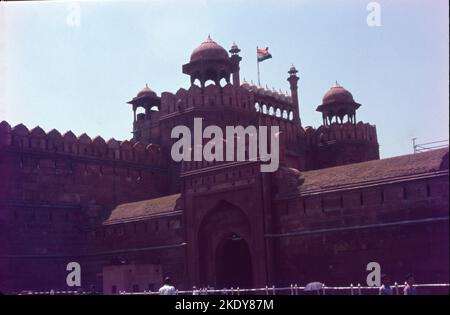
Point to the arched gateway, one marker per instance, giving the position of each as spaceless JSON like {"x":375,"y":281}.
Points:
{"x":233,"y":263}
{"x":225,"y":253}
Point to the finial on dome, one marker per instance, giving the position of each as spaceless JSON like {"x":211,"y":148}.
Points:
{"x":337,"y":84}
{"x":292,"y":70}
{"x":146,"y":85}
{"x":234,"y":49}
{"x":209,"y":37}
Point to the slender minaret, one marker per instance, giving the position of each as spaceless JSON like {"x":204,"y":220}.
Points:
{"x":236,"y":59}
{"x":293,"y":79}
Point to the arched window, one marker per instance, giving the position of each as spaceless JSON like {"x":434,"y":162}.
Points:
{"x":209,"y":82}
{"x":278,"y":112}
{"x":285,"y":114}
{"x":291,"y":115}
{"x":222,"y":82}
{"x":140,"y":113}
{"x":257,"y":107}
{"x":264,"y":109}
{"x":197,"y":82}
{"x":271,"y":111}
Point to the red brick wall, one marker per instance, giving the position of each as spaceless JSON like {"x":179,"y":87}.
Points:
{"x":340,"y":257}
{"x":54,"y":188}
{"x":156,"y":241}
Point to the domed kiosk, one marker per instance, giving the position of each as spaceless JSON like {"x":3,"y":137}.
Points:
{"x":338,"y":103}
{"x":210,"y":61}
{"x":146,"y":99}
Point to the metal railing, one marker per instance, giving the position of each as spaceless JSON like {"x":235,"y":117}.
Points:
{"x":423,"y":147}
{"x":294,"y":289}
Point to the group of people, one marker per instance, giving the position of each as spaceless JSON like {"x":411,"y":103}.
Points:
{"x":386,"y":287}
{"x":167,"y":288}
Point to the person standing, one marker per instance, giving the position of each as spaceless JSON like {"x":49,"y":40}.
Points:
{"x":385,"y":288}
{"x":167,"y":288}
{"x":93,"y":290}
{"x":409,"y":288}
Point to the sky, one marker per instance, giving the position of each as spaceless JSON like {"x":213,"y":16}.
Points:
{"x":74,"y":65}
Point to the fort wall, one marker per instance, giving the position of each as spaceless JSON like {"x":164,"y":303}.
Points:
{"x":334,"y":235}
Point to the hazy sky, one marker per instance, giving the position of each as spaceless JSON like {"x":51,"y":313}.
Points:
{"x":57,"y":74}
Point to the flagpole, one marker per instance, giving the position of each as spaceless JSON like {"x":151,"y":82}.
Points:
{"x":257,"y":65}
{"x":259,"y":82}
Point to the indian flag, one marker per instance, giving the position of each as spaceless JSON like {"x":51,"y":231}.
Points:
{"x":263,"y":54}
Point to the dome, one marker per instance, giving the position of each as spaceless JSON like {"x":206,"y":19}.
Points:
{"x":337,"y":94}
{"x":292,"y":70}
{"x":209,"y":49}
{"x":146,"y":92}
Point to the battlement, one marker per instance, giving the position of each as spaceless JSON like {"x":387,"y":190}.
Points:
{"x":37,"y":139}
{"x":247,"y":97}
{"x":340,"y":144}
{"x":211,"y":96}
{"x":277,"y":103}
{"x":341,"y":132}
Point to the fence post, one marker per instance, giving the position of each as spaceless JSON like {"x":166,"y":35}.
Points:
{"x":351,"y":288}
{"x":238,"y":291}
{"x":273,"y":290}
{"x":323,"y":288}
{"x":292,"y":289}
{"x":396,"y":288}
{"x":267,"y":290}
{"x":232,"y":291}
{"x":359,"y":289}
{"x":296,"y":289}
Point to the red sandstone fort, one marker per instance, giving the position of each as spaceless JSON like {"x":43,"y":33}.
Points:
{"x":130,"y":216}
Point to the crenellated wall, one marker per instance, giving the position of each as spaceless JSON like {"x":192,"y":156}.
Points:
{"x":332,"y":236}
{"x":231,"y":106}
{"x":245,"y":97}
{"x":340,"y":144}
{"x":37,"y":140}
{"x":54,"y":188}
{"x":50,"y":167}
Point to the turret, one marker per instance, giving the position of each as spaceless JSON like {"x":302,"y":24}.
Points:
{"x":144,"y":123}
{"x":338,"y":105}
{"x":210,"y":61}
{"x":236,"y":60}
{"x":341,"y":139}
{"x":293,"y":79}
